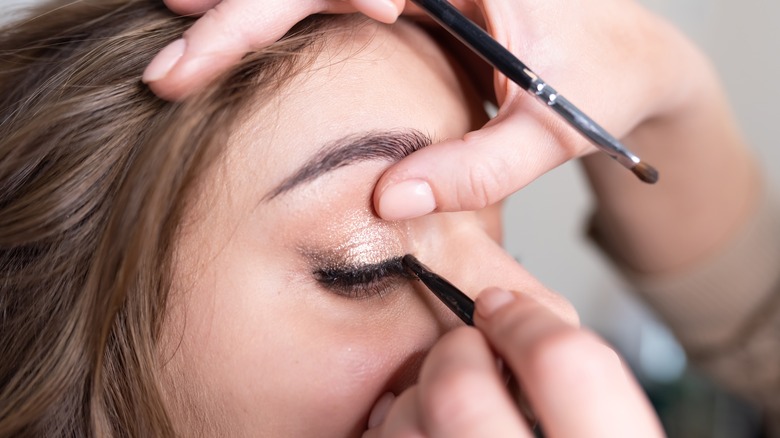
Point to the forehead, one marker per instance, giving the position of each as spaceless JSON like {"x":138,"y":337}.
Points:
{"x":371,"y":78}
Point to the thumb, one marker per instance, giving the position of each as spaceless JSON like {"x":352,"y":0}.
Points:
{"x":482,"y":168}
{"x":232,"y":28}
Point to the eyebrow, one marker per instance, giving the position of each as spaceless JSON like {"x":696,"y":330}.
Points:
{"x":371,"y":146}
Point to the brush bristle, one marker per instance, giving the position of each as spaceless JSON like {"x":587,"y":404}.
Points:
{"x":645,"y":172}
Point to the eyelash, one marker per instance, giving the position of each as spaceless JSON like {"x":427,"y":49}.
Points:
{"x":361,"y":282}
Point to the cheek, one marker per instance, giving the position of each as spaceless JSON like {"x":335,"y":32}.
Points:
{"x":274,"y":359}
{"x":348,"y":362}
{"x":350,"y":374}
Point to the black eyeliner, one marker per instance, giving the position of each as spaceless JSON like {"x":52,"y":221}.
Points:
{"x":361,"y":281}
{"x":350,"y":280}
{"x":352,"y":275}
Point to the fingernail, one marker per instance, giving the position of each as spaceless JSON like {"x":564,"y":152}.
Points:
{"x":407,"y":199}
{"x":164,"y":62}
{"x":381,"y":407}
{"x":492,"y":299}
{"x":385,"y":11}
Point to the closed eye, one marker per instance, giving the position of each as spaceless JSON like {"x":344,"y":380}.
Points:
{"x":363,"y":281}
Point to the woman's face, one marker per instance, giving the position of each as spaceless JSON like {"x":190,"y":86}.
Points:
{"x":284,"y":321}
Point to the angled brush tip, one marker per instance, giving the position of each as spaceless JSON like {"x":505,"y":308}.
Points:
{"x":645,"y":172}
{"x":412,"y":265}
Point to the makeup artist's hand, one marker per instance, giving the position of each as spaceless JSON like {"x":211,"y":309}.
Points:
{"x":575,"y":384}
{"x":620,"y":64}
{"x":229,"y":29}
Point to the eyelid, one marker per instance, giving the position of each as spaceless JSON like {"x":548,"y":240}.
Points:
{"x":362,"y":281}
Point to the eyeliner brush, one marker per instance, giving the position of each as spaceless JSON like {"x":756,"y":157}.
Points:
{"x":460,"y":304}
{"x":504,"y":61}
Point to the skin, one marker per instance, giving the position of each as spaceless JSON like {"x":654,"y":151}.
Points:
{"x":575,"y":384}
{"x":257,"y":347}
{"x":230,"y":28}
{"x":702,"y":201}
{"x":207,"y":49}
{"x":672,"y":113}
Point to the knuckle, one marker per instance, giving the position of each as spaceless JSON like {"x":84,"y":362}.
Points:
{"x":487,"y":181}
{"x":217,"y":15}
{"x":221,"y":18}
{"x":511,"y":322}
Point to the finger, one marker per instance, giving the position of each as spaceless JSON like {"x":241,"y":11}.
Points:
{"x":480,"y":169}
{"x":402,"y":420}
{"x":218,"y":40}
{"x":385,"y":11}
{"x":232,"y":28}
{"x":190,"y":7}
{"x":576,"y":384}
{"x":462,"y":393}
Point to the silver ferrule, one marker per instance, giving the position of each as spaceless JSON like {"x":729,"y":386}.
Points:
{"x":581,"y":122}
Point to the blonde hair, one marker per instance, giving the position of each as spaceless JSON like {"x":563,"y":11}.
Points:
{"x":95,"y":173}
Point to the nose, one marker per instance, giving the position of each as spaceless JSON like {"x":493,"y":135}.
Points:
{"x":457,"y":247}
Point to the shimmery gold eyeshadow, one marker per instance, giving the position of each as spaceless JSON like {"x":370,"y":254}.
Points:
{"x":363,"y":240}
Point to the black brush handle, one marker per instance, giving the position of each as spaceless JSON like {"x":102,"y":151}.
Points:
{"x":470,"y":34}
{"x":473,"y":36}
{"x":452,"y":297}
